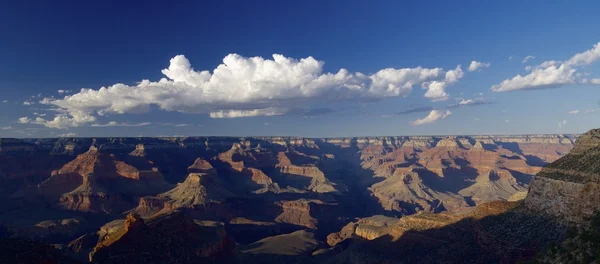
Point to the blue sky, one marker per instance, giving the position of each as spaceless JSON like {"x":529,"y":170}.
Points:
{"x":48,"y":46}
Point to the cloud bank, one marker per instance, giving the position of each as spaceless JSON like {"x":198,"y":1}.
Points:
{"x":551,"y":73}
{"x":243,"y":87}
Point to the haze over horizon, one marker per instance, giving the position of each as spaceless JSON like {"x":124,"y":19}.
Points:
{"x":298,"y":69}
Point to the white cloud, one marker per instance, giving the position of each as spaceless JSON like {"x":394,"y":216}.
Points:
{"x":242,"y":83}
{"x":63,"y":91}
{"x":433,"y":116}
{"x":182,"y":125}
{"x":385,"y":116}
{"x":469,"y":102}
{"x":67,"y":135}
{"x":591,"y":81}
{"x":116,"y":124}
{"x":436,"y":90}
{"x":574,"y":112}
{"x":62,"y":120}
{"x":5,"y":101}
{"x":561,"y":124}
{"x":551,"y":73}
{"x":476,"y":65}
{"x":510,"y":57}
{"x":24,"y":120}
{"x":528,"y":68}
{"x":507,"y":121}
{"x":528,"y":58}
{"x":271,"y":111}
{"x":6,"y":128}
{"x":27,"y":103}
{"x":466,"y":102}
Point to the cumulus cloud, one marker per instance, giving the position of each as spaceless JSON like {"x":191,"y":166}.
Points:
{"x":242,"y":86}
{"x":61,"y":121}
{"x":63,"y":91}
{"x":551,"y":73}
{"x":433,"y":116}
{"x":117,"y":124}
{"x":436,"y":90}
{"x":527,"y":58}
{"x":24,"y":120}
{"x":476,"y":65}
{"x":27,"y":103}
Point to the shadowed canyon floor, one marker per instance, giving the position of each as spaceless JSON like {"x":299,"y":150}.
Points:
{"x":274,"y":199}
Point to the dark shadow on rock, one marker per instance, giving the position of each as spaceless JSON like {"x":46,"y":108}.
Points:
{"x":506,"y":238}
{"x":512,"y":146}
{"x":535,"y":161}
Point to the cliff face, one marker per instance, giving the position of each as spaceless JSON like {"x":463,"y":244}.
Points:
{"x":569,"y":188}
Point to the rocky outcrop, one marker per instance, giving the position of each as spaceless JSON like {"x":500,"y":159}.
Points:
{"x":367,"y":228}
{"x":197,"y":189}
{"x":493,"y":185}
{"x":297,"y":212}
{"x":518,"y":196}
{"x":406,"y":193}
{"x":308,"y":177}
{"x":202,"y":186}
{"x":91,"y":197}
{"x":173,"y":238}
{"x":569,"y":188}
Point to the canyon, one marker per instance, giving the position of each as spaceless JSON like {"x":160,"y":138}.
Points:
{"x":274,"y":199}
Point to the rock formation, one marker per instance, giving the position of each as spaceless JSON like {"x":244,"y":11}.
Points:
{"x":569,"y":188}
{"x":405,"y":192}
{"x":202,"y":186}
{"x":173,"y":238}
{"x":91,"y":197}
{"x":264,"y":189}
{"x":368,"y":228}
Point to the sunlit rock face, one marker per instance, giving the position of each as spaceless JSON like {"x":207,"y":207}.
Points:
{"x":569,"y":188}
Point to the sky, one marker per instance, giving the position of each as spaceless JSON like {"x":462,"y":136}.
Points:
{"x":298,"y":68}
